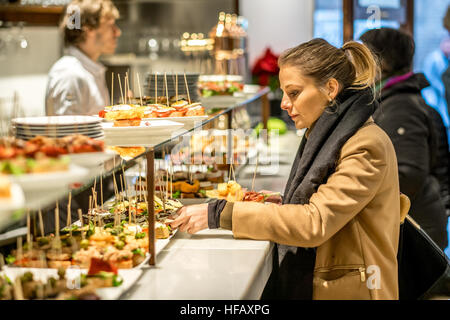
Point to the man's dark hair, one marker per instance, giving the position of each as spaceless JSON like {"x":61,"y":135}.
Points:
{"x":393,"y":48}
{"x":91,"y":12}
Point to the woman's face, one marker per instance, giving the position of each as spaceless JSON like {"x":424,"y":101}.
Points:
{"x":302,"y":99}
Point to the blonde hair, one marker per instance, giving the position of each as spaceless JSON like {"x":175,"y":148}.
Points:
{"x":353,"y":65}
{"x":91,"y":14}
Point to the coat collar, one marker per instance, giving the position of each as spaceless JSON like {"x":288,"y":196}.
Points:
{"x":97,"y":69}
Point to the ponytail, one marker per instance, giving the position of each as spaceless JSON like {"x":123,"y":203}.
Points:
{"x":364,"y":63}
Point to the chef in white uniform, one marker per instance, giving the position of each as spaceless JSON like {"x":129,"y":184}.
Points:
{"x":76,"y":82}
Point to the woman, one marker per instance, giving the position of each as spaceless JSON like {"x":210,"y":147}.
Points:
{"x":419,"y":140}
{"x":342,"y":198}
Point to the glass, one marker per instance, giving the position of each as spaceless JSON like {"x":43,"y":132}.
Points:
{"x":117,"y":165}
{"x":428,"y":29}
{"x":328,"y":21}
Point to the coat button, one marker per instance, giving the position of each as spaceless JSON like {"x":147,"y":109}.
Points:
{"x":401,"y":131}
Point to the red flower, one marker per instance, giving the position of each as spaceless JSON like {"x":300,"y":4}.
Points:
{"x":267,"y":64}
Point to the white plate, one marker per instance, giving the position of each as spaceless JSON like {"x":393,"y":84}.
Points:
{"x":50,"y":180}
{"x":57,"y":134}
{"x":58,"y":130}
{"x":97,"y":137}
{"x":91,"y":159}
{"x":179,"y":119}
{"x":129,"y":276}
{"x":55,"y":121}
{"x":16,"y":201}
{"x":9,"y":206}
{"x":139,"y":141}
{"x":155,"y":128}
{"x":60,"y":127}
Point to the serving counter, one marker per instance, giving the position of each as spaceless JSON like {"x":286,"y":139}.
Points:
{"x":212,"y":261}
{"x":209,"y":265}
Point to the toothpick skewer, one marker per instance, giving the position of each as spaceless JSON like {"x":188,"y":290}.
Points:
{"x":145,"y":199}
{"x":30,"y":244}
{"x":121,"y":92}
{"x":94,"y":199}
{"x":140,"y":182}
{"x":80,"y":216}
{"x":150,"y":85}
{"x":171,"y":178}
{"x":130,"y":213}
{"x":18,"y":291}
{"x":57,"y":238}
{"x":232,"y":170}
{"x":69,"y":215}
{"x":128,"y":85}
{"x":101,"y":190}
{"x":167,"y":177}
{"x":112,"y":88}
{"x":57,"y":220}
{"x":156,"y":88}
{"x":139,"y":85}
{"x":116,"y":189}
{"x":28,"y":228}
{"x":161,"y":193}
{"x":125,"y":188}
{"x":176,"y":87}
{"x":135,"y":211}
{"x":41,"y":223}
{"x":167,"y":92}
{"x":125,"y":88}
{"x":254,"y":175}
{"x":121,"y":185}
{"x":19,"y":249}
{"x":187,"y":88}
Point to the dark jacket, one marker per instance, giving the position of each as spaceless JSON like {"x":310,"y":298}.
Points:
{"x":407,"y":119}
{"x":441,"y":168}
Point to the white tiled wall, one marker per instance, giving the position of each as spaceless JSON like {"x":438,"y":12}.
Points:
{"x":25,"y":70}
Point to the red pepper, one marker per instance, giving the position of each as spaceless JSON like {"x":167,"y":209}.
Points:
{"x":97,"y":265}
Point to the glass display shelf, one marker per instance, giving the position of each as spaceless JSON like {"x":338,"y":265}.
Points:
{"x":144,"y":155}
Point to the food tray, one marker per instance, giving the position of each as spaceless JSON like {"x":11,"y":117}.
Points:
{"x":129,"y":276}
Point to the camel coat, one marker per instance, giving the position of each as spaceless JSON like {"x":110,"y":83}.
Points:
{"x":353,"y":220}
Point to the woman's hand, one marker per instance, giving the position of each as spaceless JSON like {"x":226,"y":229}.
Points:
{"x":192,"y":219}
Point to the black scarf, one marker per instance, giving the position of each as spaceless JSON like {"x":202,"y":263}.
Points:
{"x":315,"y":161}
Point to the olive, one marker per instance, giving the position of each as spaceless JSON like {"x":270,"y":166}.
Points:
{"x":119,"y":245}
{"x":84,"y":243}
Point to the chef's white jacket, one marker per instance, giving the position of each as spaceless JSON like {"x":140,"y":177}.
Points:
{"x":76,"y":85}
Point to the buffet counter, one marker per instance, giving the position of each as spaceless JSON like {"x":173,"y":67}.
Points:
{"x":209,"y":265}
{"x":163,"y":265}
{"x":212,"y":262}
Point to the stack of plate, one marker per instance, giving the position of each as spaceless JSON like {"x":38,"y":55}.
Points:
{"x":191,"y":79}
{"x":57,"y":126}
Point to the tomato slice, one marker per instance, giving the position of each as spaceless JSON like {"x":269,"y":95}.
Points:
{"x":98,"y":265}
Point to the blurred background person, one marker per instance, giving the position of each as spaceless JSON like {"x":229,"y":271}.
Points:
{"x":410,"y":123}
{"x":76,"y":82}
{"x":437,"y":72}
